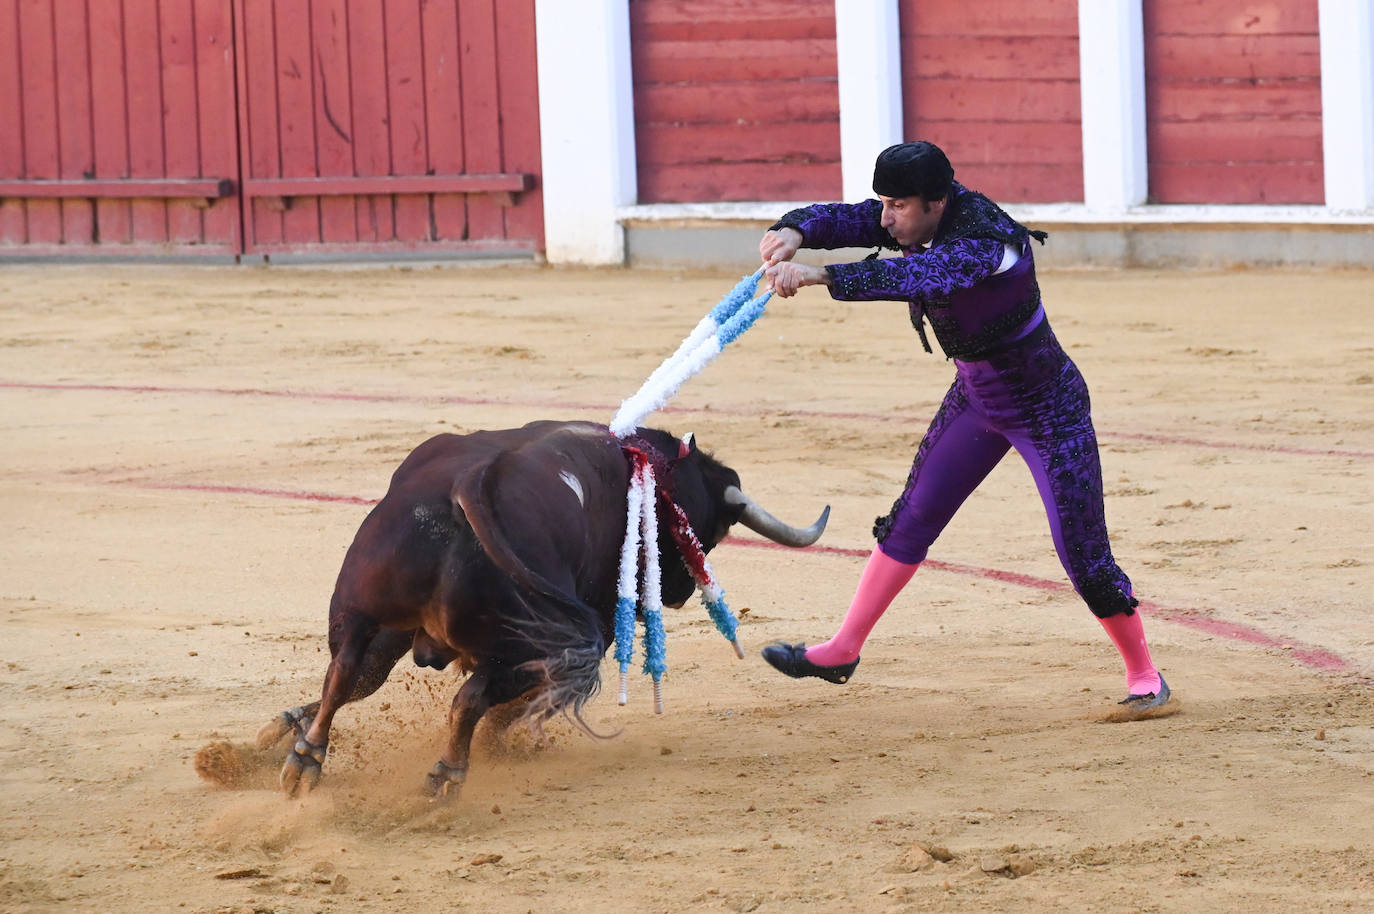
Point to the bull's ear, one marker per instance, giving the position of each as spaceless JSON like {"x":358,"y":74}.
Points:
{"x":686,"y":446}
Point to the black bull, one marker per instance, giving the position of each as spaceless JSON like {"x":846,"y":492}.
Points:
{"x":500,"y":550}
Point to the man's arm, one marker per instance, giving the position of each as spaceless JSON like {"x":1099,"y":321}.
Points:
{"x":838,"y":225}
{"x":936,"y":273}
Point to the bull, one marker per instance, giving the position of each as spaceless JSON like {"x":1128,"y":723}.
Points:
{"x":499,"y":550}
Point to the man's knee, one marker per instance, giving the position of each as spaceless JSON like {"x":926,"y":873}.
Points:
{"x":1105,"y":594}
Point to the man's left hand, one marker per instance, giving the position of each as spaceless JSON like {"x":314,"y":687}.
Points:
{"x":786,"y":278}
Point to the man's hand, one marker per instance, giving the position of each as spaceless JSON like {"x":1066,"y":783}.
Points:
{"x":786,"y":278}
{"x":779,"y":245}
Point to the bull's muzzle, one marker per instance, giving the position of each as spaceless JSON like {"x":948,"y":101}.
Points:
{"x":764,"y":524}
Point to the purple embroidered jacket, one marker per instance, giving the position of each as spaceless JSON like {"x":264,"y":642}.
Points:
{"x":973,"y":309}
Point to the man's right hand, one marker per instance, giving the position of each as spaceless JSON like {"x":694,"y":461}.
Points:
{"x":778,"y":245}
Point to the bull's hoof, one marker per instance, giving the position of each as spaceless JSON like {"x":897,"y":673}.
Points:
{"x":304,"y":764}
{"x":296,"y":719}
{"x":444,"y":781}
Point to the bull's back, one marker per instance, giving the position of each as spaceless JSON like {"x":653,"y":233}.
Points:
{"x":417,"y":548}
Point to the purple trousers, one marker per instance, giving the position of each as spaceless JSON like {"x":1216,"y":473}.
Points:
{"x":1030,"y":397}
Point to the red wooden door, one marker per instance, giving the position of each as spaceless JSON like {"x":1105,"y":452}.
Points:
{"x":118,"y":127}
{"x":381,"y":126}
{"x":735,"y":100}
{"x":268,"y":126}
{"x":998,"y":92}
{"x":1233,"y":102}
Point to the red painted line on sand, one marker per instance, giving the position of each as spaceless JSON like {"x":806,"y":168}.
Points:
{"x":608,"y":409}
{"x":1196,"y":619}
{"x":293,"y":494}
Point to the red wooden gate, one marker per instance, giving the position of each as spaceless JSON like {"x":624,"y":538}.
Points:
{"x":268,"y":126}
{"x":399,"y":125}
{"x":118,"y":127}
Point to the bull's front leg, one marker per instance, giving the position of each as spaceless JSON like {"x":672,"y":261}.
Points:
{"x":304,"y":763}
{"x":471,"y":702}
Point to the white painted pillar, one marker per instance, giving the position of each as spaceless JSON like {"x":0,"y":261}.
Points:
{"x":868,"y":48}
{"x":1347,"y":52}
{"x":586,"y":127}
{"x":1111,"y":70}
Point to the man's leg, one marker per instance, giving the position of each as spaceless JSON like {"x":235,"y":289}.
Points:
{"x":956,"y":454}
{"x":1068,"y":474}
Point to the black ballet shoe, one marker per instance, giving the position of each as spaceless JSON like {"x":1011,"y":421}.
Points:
{"x":1149,"y":699}
{"x":791,"y":659}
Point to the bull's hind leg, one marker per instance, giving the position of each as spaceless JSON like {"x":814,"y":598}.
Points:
{"x":489,"y":685}
{"x":351,"y":634}
{"x":386,"y":648}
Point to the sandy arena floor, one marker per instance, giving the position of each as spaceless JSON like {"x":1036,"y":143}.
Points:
{"x":189,"y":450}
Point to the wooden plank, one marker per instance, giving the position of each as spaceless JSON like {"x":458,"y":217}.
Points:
{"x":735,"y":181}
{"x":1234,"y":102}
{"x":406,"y":102}
{"x":993,"y":140}
{"x":981,"y":99}
{"x":181,"y":115}
{"x":13,"y":221}
{"x":1246,"y":57}
{"x":39,"y":101}
{"x":1228,"y":17}
{"x":719,"y":61}
{"x":992,"y":17}
{"x":687,"y":144}
{"x":333,"y":116}
{"x":1051,"y":57}
{"x":1274,"y":183}
{"x":257,"y":58}
{"x":477,"y":43}
{"x":77,"y":157}
{"x":1024,"y":182}
{"x":296,"y":115}
{"x":120,"y":188}
{"x":733,"y":102}
{"x":143,"y":66}
{"x":217,"y":118}
{"x":386,"y":184}
{"x":444,"y":113}
{"x":1296,"y":140}
{"x":371,"y":138}
{"x":518,"y":77}
{"x":113,"y":218}
{"x":725,"y":20}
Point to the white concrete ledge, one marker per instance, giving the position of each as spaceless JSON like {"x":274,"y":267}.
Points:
{"x":721,"y":235}
{"x":646,"y":215}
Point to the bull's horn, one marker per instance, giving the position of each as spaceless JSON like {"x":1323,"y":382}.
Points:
{"x":765,"y":524}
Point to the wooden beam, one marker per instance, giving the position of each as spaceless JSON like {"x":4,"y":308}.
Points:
{"x":175,"y":188}
{"x":387,"y":184}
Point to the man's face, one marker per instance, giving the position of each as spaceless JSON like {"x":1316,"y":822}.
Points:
{"x":911,"y":220}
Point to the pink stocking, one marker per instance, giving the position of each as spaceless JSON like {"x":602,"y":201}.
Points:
{"x":882,"y":580}
{"x":1128,"y":634}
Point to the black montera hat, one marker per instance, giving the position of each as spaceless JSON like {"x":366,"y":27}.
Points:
{"x":917,"y":169}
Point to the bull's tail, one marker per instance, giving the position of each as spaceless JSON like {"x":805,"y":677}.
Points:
{"x":561,"y":630}
{"x":572,"y":677}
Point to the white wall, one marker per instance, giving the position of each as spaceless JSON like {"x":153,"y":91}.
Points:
{"x":586,"y":127}
{"x":868,"y":48}
{"x":1347,"y":52}
{"x":1111,"y":55}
